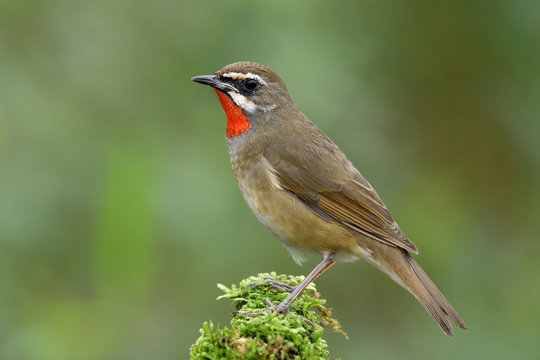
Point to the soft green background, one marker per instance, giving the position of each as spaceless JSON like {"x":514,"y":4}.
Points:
{"x":119,"y":211}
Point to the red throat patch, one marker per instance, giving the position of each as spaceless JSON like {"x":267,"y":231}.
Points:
{"x":237,"y":121}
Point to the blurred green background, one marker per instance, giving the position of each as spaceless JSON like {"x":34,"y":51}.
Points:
{"x":119,"y":211}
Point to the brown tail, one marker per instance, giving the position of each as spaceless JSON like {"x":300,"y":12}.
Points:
{"x":421,"y":286}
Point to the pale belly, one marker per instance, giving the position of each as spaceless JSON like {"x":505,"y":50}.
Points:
{"x":299,"y":228}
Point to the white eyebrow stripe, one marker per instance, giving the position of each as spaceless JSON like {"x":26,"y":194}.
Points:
{"x":240,"y":76}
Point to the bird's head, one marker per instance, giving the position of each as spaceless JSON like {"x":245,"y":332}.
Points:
{"x":246,"y":89}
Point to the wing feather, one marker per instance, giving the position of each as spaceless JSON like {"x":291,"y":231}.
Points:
{"x":334,"y":189}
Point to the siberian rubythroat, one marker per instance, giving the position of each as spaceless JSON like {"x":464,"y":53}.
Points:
{"x":303,"y":188}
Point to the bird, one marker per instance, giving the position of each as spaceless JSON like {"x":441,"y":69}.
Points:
{"x":306,"y":191}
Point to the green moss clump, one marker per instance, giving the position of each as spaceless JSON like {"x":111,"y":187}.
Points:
{"x":267,"y":335}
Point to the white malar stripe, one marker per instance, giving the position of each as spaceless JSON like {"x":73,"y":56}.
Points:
{"x":243,"y":102}
{"x":241,"y":76}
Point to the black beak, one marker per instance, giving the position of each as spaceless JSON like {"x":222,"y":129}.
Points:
{"x":214,"y":82}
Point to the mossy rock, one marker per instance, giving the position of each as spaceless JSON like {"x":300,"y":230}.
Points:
{"x":268,"y":335}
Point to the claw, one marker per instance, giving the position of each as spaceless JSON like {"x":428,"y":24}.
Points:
{"x":253,"y":285}
{"x":304,"y":319}
{"x":278,"y":285}
{"x":277,"y":309}
{"x":247,"y":313}
{"x":275,"y":285}
{"x":282,"y":308}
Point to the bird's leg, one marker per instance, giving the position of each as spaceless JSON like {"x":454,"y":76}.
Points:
{"x":276,"y":284}
{"x":283,"y":308}
{"x":326,"y":262}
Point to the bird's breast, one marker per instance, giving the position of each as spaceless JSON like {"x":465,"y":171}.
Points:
{"x":282,"y":213}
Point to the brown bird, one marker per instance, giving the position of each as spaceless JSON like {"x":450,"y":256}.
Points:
{"x":303,"y":188}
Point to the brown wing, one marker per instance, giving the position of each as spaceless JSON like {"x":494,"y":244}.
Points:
{"x":324,"y":180}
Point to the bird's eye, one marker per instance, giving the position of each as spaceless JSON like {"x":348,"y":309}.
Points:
{"x":250,"y":84}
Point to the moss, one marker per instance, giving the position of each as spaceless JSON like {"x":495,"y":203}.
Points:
{"x":267,"y":335}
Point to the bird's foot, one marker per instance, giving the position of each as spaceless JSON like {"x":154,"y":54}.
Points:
{"x":247,"y":313}
{"x":275,"y":285}
{"x":280,"y":309}
{"x":277,"y":308}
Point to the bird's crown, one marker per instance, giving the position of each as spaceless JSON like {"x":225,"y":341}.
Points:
{"x":246,"y":70}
